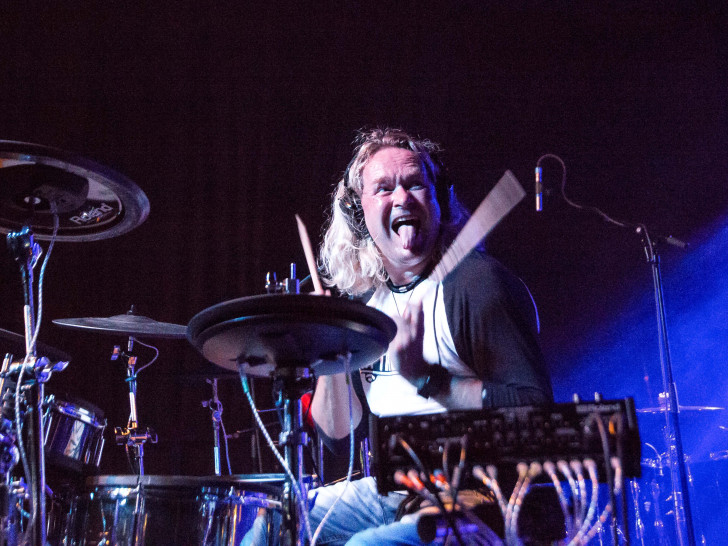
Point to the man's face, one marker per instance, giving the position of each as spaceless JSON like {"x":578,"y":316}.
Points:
{"x":401,"y":211}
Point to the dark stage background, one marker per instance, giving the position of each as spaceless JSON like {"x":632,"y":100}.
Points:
{"x":234,"y":116}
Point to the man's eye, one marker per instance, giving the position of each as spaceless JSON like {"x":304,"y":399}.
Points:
{"x":383,"y":189}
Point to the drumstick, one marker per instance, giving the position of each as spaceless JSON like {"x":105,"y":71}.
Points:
{"x":506,"y":194}
{"x":308,"y":251}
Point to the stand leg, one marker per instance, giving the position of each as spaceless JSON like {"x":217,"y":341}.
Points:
{"x":136,"y":458}
{"x":293,"y":455}
{"x":216,"y":447}
{"x":216,"y":412}
{"x":639,"y":526}
{"x":293,"y":438}
{"x":38,"y":465}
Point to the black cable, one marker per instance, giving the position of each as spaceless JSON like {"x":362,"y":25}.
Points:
{"x":595,"y":210}
{"x":434,"y":330}
{"x":154,"y":358}
{"x":413,"y":455}
{"x":623,"y":491}
{"x":256,"y":431}
{"x":460,"y":468}
{"x":445,"y":463}
{"x":128,"y":459}
{"x":610,"y":477}
{"x":310,"y":402}
{"x":34,"y":456}
{"x":425,"y":478}
{"x":311,"y":446}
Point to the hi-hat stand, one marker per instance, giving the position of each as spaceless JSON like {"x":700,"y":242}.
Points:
{"x":215,"y":407}
{"x":133,"y":437}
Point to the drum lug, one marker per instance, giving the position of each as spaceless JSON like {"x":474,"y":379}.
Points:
{"x":298,"y":438}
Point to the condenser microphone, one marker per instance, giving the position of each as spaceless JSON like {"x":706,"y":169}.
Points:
{"x":539,"y":190}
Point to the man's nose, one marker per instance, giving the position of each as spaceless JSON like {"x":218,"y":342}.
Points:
{"x":401,"y":196}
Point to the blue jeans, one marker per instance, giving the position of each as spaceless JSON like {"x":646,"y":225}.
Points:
{"x":398,"y":533}
{"x":363,"y":517}
{"x":360,"y":508}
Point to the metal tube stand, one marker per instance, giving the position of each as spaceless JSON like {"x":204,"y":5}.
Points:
{"x":216,"y":413}
{"x":131,"y":436}
{"x":673,"y":437}
{"x":26,"y":253}
{"x":293,"y":438}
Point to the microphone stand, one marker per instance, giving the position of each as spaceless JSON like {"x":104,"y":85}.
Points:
{"x":673,"y":436}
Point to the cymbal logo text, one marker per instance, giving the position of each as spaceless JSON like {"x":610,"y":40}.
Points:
{"x":91,"y":215}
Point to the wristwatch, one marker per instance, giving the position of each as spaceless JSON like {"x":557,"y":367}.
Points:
{"x":436,"y":382}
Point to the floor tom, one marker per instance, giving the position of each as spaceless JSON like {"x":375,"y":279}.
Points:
{"x":180,"y":510}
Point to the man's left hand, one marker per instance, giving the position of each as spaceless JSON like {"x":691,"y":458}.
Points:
{"x":405,"y":351}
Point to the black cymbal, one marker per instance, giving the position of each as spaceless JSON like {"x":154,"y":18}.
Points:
{"x":290,"y":331}
{"x":13,"y":343}
{"x":130,"y":325}
{"x":92,"y":201}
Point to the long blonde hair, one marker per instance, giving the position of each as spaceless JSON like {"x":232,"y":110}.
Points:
{"x":349,"y":258}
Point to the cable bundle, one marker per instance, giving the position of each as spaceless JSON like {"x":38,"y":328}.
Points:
{"x":579,"y":505}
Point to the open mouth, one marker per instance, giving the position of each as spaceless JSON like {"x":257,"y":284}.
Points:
{"x":405,"y":221}
{"x":406,"y":227}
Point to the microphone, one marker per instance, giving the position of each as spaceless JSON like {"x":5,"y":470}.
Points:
{"x":539,"y":190}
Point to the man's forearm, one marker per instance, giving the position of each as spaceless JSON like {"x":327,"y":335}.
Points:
{"x":463,"y":393}
{"x":330,"y":406}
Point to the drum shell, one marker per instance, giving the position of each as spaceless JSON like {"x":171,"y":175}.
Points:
{"x":74,"y":434}
{"x":179,"y":510}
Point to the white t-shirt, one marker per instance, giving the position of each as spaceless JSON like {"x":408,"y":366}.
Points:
{"x":388,"y":393}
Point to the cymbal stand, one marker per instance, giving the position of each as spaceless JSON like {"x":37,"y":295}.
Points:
{"x":132,"y":437}
{"x":291,"y":531}
{"x":673,"y":437}
{"x":289,"y":385}
{"x":291,"y":285}
{"x":26,"y":253}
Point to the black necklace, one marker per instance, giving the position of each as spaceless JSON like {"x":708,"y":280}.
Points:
{"x":404,"y":288}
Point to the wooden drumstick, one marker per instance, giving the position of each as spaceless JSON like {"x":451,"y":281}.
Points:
{"x":310,"y":260}
{"x":506,"y":194}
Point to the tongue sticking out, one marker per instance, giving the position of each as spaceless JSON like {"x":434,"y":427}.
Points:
{"x":407,"y":235}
